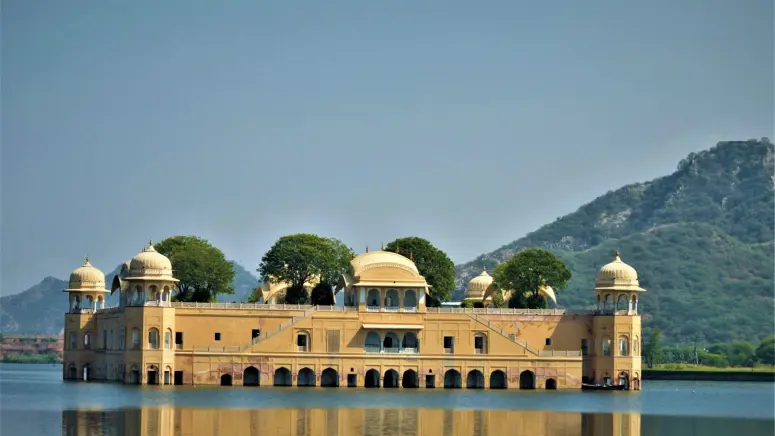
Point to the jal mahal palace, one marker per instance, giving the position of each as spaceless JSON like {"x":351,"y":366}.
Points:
{"x":383,"y":335}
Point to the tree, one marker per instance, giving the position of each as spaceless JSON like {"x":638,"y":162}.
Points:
{"x":299,"y":258}
{"x":322,"y":295}
{"x":467,"y":304}
{"x":526,"y":272}
{"x":202,"y":269}
{"x":432,"y":263}
{"x":652,"y":350}
{"x":765,"y":352}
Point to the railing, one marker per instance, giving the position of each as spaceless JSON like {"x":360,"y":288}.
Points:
{"x":392,"y":308}
{"x":109,"y":310}
{"x":217,"y":349}
{"x":372,"y":308}
{"x":376,"y":349}
{"x":478,"y":351}
{"x":554,"y":353}
{"x":264,"y":335}
{"x":503,"y":333}
{"x":178,"y":346}
{"x":449,"y":350}
{"x":409,"y":309}
{"x":302,"y":348}
{"x":502,"y":311}
{"x":254,"y":306}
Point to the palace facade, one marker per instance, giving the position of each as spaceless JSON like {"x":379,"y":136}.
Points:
{"x":383,"y":335}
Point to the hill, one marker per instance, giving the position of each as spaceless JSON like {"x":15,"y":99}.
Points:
{"x":41,"y":308}
{"x":700,"y":238}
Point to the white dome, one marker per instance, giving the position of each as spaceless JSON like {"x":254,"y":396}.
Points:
{"x":87,"y":277}
{"x":478,"y":285}
{"x":150,"y":262}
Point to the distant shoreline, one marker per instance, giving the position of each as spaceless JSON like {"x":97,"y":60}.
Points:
{"x":684,"y":375}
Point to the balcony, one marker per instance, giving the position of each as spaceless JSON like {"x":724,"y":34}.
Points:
{"x":376,"y":349}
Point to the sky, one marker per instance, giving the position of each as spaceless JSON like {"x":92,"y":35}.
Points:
{"x":467,"y":123}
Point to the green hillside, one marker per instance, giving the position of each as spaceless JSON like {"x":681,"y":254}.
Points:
{"x":700,"y":238}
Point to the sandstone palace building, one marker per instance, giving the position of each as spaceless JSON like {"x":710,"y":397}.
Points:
{"x":383,"y":335}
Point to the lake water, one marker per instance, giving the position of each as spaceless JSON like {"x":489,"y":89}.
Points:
{"x":35,"y":401}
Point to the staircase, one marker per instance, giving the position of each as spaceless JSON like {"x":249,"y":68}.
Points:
{"x":503,"y":333}
{"x":265,"y":335}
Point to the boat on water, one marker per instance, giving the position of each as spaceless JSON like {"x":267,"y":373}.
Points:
{"x":590,"y":387}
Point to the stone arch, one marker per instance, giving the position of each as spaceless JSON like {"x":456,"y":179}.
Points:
{"x":498,"y":380}
{"x":373,"y":298}
{"x":551,"y":384}
{"x":636,"y":346}
{"x":452,"y":379}
{"x":72,"y":371}
{"x":605,"y":346}
{"x":152,"y":374}
{"x":372,"y":343}
{"x":153,"y":338}
{"x":623,"y":346}
{"x":475,"y":379}
{"x":391,"y":379}
{"x":527,"y":380}
{"x":134,"y":375}
{"x":329,"y":378}
{"x":372,"y":379}
{"x":306,"y":378}
{"x":303,"y":341}
{"x":153,"y":293}
{"x":391,"y":341}
{"x":409,"y":379}
{"x":282,"y":377}
{"x":624,"y":379}
{"x":251,"y":376}
{"x":226,"y":380}
{"x":391,"y":299}
{"x":480,"y":343}
{"x":409,"y":341}
{"x":622,"y":303}
{"x":410,"y":299}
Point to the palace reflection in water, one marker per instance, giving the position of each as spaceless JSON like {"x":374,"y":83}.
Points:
{"x":165,"y":421}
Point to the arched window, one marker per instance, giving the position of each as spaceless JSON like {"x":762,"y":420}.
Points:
{"x":624,"y":346}
{"x":635,"y":347}
{"x":622,"y":302}
{"x":410,"y":300}
{"x":136,"y":339}
{"x":409,"y":343}
{"x":373,"y":343}
{"x":153,"y":339}
{"x":168,"y":339}
{"x":391,"y":299}
{"x":606,"y":345}
{"x":480,"y":343}
{"x":372,"y":300}
{"x":302,"y":342}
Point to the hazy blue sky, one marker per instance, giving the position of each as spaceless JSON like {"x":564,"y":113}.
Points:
{"x":467,"y":123}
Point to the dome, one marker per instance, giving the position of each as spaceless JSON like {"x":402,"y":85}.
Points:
{"x":150,"y":262}
{"x":617,"y":274}
{"x":382,"y":258}
{"x":87,"y":277}
{"x":478,"y":285}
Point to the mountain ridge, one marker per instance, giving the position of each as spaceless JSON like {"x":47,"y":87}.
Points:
{"x":717,"y":199}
